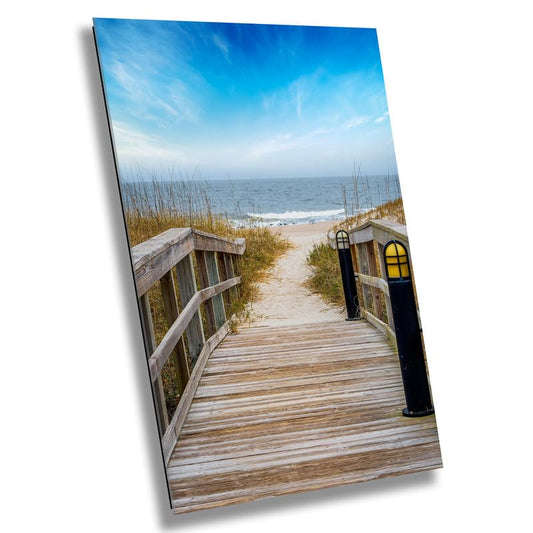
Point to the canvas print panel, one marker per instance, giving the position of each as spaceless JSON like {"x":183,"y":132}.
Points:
{"x":270,"y":254}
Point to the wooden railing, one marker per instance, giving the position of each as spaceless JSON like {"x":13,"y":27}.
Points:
{"x":366,"y":243}
{"x":168,"y":259}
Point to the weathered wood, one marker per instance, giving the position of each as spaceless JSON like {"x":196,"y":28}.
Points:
{"x":213,"y":277}
{"x":178,"y":419}
{"x":187,"y":288}
{"x":362,"y":254}
{"x":388,"y":304}
{"x":201,"y":264}
{"x":208,"y":272}
{"x":156,"y":256}
{"x":153,"y":258}
{"x":378,"y":324}
{"x":223,"y":274}
{"x":168,"y":291}
{"x":373,"y":271}
{"x":376,"y":282}
{"x":380,"y":231}
{"x":150,"y":346}
{"x":369,"y":240}
{"x":211,"y":243}
{"x":180,"y":325}
{"x":263,"y":422}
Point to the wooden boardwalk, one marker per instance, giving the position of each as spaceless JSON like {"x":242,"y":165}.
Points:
{"x":287,"y":409}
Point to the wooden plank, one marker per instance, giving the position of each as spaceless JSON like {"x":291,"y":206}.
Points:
{"x":226,"y":271}
{"x":168,"y":291}
{"x":374,"y":281}
{"x":388,"y":305}
{"x":209,"y":276}
{"x":381,"y":326}
{"x":230,"y":273}
{"x":377,"y":306}
{"x":149,"y":345}
{"x":362,"y":255}
{"x":153,"y":258}
{"x":214,"y":278}
{"x":156,"y":256}
{"x":201,"y":264}
{"x":211,"y":243}
{"x":187,"y":287}
{"x":277,"y":412}
{"x":381,"y":231}
{"x":186,"y":399}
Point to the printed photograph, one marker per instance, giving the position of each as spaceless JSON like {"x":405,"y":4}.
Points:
{"x":270,"y":254}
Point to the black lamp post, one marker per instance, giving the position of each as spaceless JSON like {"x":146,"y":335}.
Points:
{"x":347,"y":273}
{"x":408,"y":338}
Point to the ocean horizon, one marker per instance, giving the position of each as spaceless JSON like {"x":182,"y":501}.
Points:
{"x":269,"y":201}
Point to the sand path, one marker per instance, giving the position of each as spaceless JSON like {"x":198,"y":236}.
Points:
{"x":284,"y":300}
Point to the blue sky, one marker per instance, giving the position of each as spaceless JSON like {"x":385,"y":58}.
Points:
{"x":243,"y":100}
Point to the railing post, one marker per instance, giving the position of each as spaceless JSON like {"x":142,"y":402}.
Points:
{"x":150,"y":345}
{"x":348,"y":276}
{"x":168,"y":291}
{"x":187,"y":288}
{"x":383,"y":270}
{"x":208,"y":270}
{"x":407,"y":327}
{"x":224,"y":275}
{"x":373,"y":271}
{"x":362,"y":256}
{"x":230,"y":271}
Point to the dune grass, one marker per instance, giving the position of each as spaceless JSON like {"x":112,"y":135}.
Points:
{"x":326,"y":275}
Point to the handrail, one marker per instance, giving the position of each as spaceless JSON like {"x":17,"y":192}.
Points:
{"x":367,"y":242}
{"x":154,"y":257}
{"x":215,"y":264}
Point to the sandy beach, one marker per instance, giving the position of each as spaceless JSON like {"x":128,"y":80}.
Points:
{"x":284,"y":299}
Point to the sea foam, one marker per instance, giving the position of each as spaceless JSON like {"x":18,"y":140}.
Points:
{"x":298,"y":215}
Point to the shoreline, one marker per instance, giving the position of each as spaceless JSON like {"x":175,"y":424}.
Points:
{"x":306,"y":229}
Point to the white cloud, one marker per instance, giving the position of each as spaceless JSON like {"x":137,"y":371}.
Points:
{"x":277,"y":143}
{"x":285,"y":141}
{"x":354,"y":122}
{"x":382,"y":117}
{"x":222,"y":45}
{"x":132,"y":145}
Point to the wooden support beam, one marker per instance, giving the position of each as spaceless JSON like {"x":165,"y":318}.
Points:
{"x":388,"y":305}
{"x":187,"y":288}
{"x":362,"y":255}
{"x":168,"y":291}
{"x":208,"y":273}
{"x":150,"y":346}
{"x":213,"y":277}
{"x":377,"y":305}
{"x":201,"y":264}
{"x":230,"y":273}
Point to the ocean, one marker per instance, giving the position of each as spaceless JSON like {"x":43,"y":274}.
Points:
{"x":270,"y":201}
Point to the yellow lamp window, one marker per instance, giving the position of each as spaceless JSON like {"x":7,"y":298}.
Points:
{"x":396,"y":261}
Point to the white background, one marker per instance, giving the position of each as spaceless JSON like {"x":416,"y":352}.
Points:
{"x":78,"y":443}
